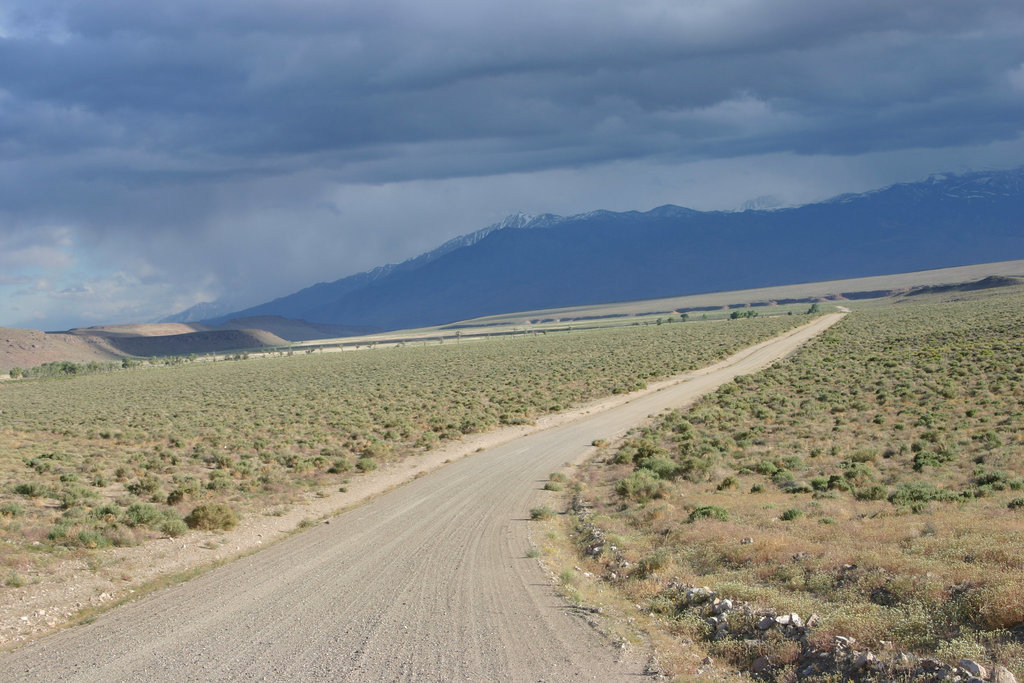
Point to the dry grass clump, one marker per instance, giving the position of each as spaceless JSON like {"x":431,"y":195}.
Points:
{"x":869,"y":479}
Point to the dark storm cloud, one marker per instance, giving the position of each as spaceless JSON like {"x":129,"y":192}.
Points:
{"x":140,"y":124}
{"x":269,"y":81}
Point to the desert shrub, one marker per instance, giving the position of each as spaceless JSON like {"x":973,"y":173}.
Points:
{"x":212,"y":516}
{"x":1016,"y":504}
{"x":919,"y":492}
{"x":708,"y":512}
{"x":838,"y":483}
{"x":641,"y":485}
{"x":652,"y":563}
{"x":927,"y":458}
{"x":665,"y":468}
{"x":791,"y":514}
{"x":876,"y":492}
{"x":819,"y":483}
{"x":31,"y":489}
{"x":783,"y":477}
{"x":695,"y":468}
{"x":11,"y":510}
{"x":174,"y":527}
{"x":106,"y":513}
{"x":176,"y":496}
{"x":76,"y":495}
{"x":542,"y":512}
{"x":366,"y":464}
{"x":729,"y":482}
{"x":553,"y":486}
{"x":142,"y":514}
{"x":427,"y":440}
{"x":342,"y":464}
{"x":796,"y":487}
{"x":92,"y":539}
{"x":146,"y":485}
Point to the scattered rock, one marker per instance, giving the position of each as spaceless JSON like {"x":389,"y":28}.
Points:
{"x":760,"y":666}
{"x":765,"y":623}
{"x":1002,"y":675}
{"x":862,"y":660}
{"x":792,"y":619}
{"x":746,"y":541}
{"x":722,"y":606}
{"x":973,"y":668}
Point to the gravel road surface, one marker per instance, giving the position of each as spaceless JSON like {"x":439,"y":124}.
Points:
{"x":428,"y":582}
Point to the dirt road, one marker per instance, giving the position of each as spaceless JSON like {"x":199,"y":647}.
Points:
{"x":428,"y":582}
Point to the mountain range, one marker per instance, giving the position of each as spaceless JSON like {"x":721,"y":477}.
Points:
{"x":546,"y":261}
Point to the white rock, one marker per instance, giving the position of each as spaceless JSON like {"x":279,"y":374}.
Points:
{"x":862,"y":660}
{"x":973,"y":668}
{"x":1003,"y":675}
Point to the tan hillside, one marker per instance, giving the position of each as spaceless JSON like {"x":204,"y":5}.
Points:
{"x":29,"y":348}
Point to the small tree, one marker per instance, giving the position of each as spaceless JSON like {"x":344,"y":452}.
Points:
{"x":815,"y":308}
{"x":15,"y":373}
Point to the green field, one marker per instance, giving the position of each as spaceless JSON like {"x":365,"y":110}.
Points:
{"x":874,"y":479}
{"x":112,"y":459}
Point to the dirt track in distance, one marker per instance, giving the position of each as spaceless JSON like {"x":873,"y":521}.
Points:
{"x":427,"y":582}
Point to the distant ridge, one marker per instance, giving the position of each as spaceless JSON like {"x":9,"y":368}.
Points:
{"x":536,"y":262}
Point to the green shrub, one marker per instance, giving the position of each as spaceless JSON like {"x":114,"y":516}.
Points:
{"x":641,"y":485}
{"x":919,"y":492}
{"x":92,"y":539}
{"x":1016,"y":504}
{"x":212,"y":516}
{"x":76,"y":495}
{"x":729,"y":482}
{"x":791,"y":514}
{"x":876,"y":492}
{"x":543,"y":512}
{"x":31,"y":489}
{"x":366,"y":464}
{"x":342,"y":464}
{"x":708,"y":512}
{"x":665,"y":468}
{"x":174,"y":527}
{"x":836,"y":482}
{"x":652,"y":563}
{"x":11,"y":510}
{"x":553,"y":486}
{"x":142,"y":514}
{"x":924,"y":459}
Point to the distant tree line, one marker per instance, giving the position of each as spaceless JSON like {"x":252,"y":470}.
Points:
{"x":749,"y":313}
{"x":66,"y":368}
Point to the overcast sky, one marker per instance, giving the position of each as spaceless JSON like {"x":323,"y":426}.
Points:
{"x":155,"y":155}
